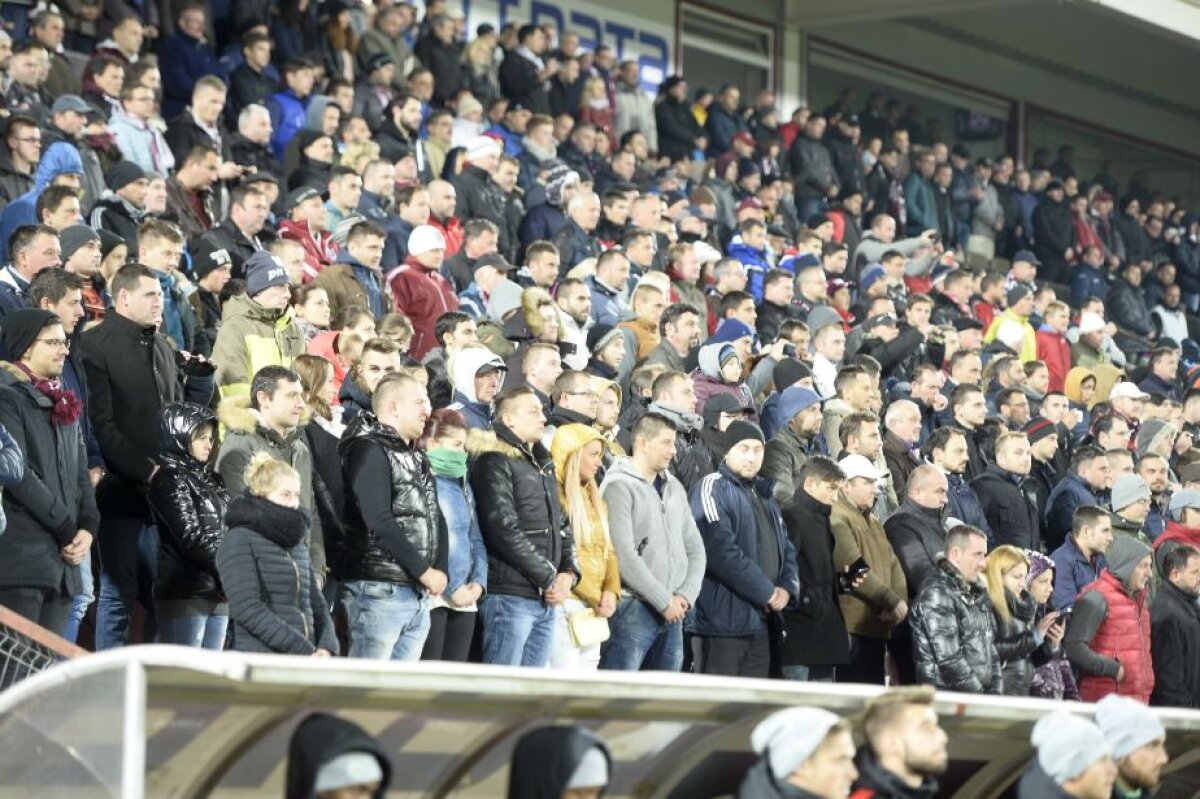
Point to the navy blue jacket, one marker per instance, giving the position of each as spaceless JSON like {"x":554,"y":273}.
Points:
{"x":1072,"y":573}
{"x":477,"y":414}
{"x":734,"y":595}
{"x":1059,"y":513}
{"x":1086,"y":282}
{"x":963,"y":504}
{"x":184,"y":60}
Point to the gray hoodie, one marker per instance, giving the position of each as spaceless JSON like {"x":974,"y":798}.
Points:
{"x":658,"y":545}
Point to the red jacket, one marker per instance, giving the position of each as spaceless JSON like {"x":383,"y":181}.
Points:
{"x":1177,"y":532}
{"x":452,"y":232}
{"x":1054,"y":349}
{"x":985,"y":312}
{"x":1124,"y":636}
{"x":319,"y":249}
{"x":422,"y":295}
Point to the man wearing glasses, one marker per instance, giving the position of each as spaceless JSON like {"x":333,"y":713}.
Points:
{"x":576,"y":401}
{"x":51,"y":509}
{"x":140,"y":141}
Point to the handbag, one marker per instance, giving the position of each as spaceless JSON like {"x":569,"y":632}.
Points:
{"x":587,"y":629}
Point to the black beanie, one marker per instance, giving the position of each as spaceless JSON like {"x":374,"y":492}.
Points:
{"x":740,"y":430}
{"x":788,"y":372}
{"x":122,"y":174}
{"x":22,"y":326}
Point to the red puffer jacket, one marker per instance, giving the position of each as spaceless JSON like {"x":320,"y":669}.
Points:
{"x":1124,"y":636}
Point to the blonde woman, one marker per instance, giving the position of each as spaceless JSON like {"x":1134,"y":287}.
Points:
{"x":1020,"y":636}
{"x":577,"y":451}
{"x":275,"y":603}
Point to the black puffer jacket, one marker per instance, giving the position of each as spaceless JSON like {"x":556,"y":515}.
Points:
{"x":1015,"y":644}
{"x":917,"y":536}
{"x":188,"y":501}
{"x":876,"y":782}
{"x":275,"y":604}
{"x":1009,"y":504}
{"x":526,"y":534}
{"x":1127,"y":307}
{"x":480,"y":197}
{"x":394,"y":530}
{"x":954,"y":642}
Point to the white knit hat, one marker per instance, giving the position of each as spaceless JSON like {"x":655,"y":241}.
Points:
{"x":481,"y":147}
{"x":425,"y":238}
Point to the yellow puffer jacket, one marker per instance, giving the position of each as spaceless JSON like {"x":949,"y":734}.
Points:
{"x":594,"y":551}
{"x":250,"y":338}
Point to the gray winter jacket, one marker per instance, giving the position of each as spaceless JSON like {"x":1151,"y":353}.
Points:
{"x":658,"y":545}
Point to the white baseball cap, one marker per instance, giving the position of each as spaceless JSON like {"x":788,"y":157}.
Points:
{"x":859,"y":466}
{"x":1090,"y":323}
{"x":1127,"y":389}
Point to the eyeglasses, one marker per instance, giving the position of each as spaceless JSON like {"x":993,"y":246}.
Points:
{"x":56,"y":342}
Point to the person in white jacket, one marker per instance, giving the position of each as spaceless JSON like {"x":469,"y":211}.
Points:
{"x":136,"y":133}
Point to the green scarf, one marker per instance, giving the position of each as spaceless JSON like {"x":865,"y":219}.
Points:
{"x":448,"y":462}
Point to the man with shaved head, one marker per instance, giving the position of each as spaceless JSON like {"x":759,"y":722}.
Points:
{"x":917,"y":535}
{"x":442,"y":199}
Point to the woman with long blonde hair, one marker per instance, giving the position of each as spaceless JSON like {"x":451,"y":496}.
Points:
{"x":577,"y":451}
{"x":1020,"y":635}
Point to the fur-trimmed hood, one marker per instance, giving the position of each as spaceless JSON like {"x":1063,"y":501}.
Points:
{"x":529,"y":325}
{"x":236,"y":416}
{"x":502,"y":441}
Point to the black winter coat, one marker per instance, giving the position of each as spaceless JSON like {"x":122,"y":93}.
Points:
{"x":329,"y":491}
{"x":1127,"y":307}
{"x":226,"y":236}
{"x":876,"y":782}
{"x":244,"y":152}
{"x":917,"y":535}
{"x":812,"y":168}
{"x":677,"y":129}
{"x":519,"y":83}
{"x":188,"y":501}
{"x":132,"y":375}
{"x":394,"y":530}
{"x":528,"y":539}
{"x":954,"y":641}
{"x":816,"y":631}
{"x":574,"y":245}
{"x":480,"y":197}
{"x":184,"y":133}
{"x":275,"y":603}
{"x":248,"y":87}
{"x":114,"y":215}
{"x":1016,"y":645}
{"x":1010,"y":508}
{"x":445,"y":62}
{"x":1054,"y":232}
{"x":53,"y":498}
{"x":1174,"y":648}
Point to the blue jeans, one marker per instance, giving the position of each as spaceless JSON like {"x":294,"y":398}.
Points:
{"x":83,"y":600}
{"x":385,"y":621}
{"x":518,"y":631}
{"x":185,"y":623}
{"x":808,"y":673}
{"x":810,"y":206}
{"x":128,"y":566}
{"x":640,"y":639}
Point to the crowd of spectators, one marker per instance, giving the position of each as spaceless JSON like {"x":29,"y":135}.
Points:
{"x":467,"y":346}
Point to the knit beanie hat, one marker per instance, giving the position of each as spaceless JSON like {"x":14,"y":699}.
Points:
{"x":822,"y":317}
{"x":22,"y":326}
{"x":109,"y":241}
{"x":348,"y":770}
{"x":592,"y":771}
{"x":1128,"y":489}
{"x":1067,"y":745}
{"x":425,"y":238}
{"x":599,"y":337}
{"x":122,"y":174}
{"x":1183,"y":499}
{"x":481,"y":146}
{"x":1152,"y":432}
{"x":505,"y":297}
{"x":788,"y":372}
{"x":741,"y":430}
{"x":731,"y":330}
{"x":1125,"y":554}
{"x":796,"y":399}
{"x":1038,"y":429}
{"x":787,"y":738}
{"x":1127,"y":724}
{"x":74,"y":237}
{"x":264,"y":270}
{"x":1038,"y":563}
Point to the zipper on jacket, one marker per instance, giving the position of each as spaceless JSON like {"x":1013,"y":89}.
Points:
{"x":303,"y":618}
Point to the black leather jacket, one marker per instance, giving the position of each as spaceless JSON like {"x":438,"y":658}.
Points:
{"x":1016,"y":645}
{"x":394,"y":530}
{"x":188,"y":501}
{"x":526,"y":534}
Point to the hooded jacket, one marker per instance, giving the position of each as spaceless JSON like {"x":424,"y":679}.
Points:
{"x":1065,"y":498}
{"x":528,"y":539}
{"x":464,"y":368}
{"x":708,"y":381}
{"x":245,"y":436}
{"x":658,"y":546}
{"x":954,"y":640}
{"x":59,"y":159}
{"x":594,"y":552}
{"x":1111,"y":630}
{"x":395,"y":531}
{"x":189,"y":502}
{"x":545,"y":759}
{"x":320,"y":739}
{"x":251,"y":337}
{"x":289,"y":115}
{"x":53,"y":497}
{"x":760,"y":783}
{"x":275,"y":601}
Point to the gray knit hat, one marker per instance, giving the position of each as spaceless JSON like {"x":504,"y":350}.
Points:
{"x":1127,"y":724}
{"x":1128,"y":489}
{"x":1067,"y":745}
{"x":1125,"y":554}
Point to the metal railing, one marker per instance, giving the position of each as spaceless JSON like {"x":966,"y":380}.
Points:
{"x":26,"y":648}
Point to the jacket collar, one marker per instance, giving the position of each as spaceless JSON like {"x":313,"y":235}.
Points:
{"x":763,"y":485}
{"x":808,"y":503}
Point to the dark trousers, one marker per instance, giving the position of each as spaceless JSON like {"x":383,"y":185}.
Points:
{"x":901,"y":646}
{"x":742,"y":656}
{"x":866,"y":661}
{"x":49,"y":608}
{"x":450,"y":634}
{"x":128,"y":566}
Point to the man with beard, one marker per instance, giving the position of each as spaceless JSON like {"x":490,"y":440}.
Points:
{"x":1007,"y":496}
{"x":574,"y":299}
{"x":680,"y":334}
{"x":1175,"y":628}
{"x":905,"y":749}
{"x":947,"y":450}
{"x":1139,"y":745}
{"x":397,"y":136}
{"x":859,"y":434}
{"x":969,"y":411}
{"x":789,"y":449}
{"x":1154,"y":470}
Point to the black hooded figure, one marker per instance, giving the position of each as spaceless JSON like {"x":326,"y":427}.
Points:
{"x":546,"y":759}
{"x":320,"y":740}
